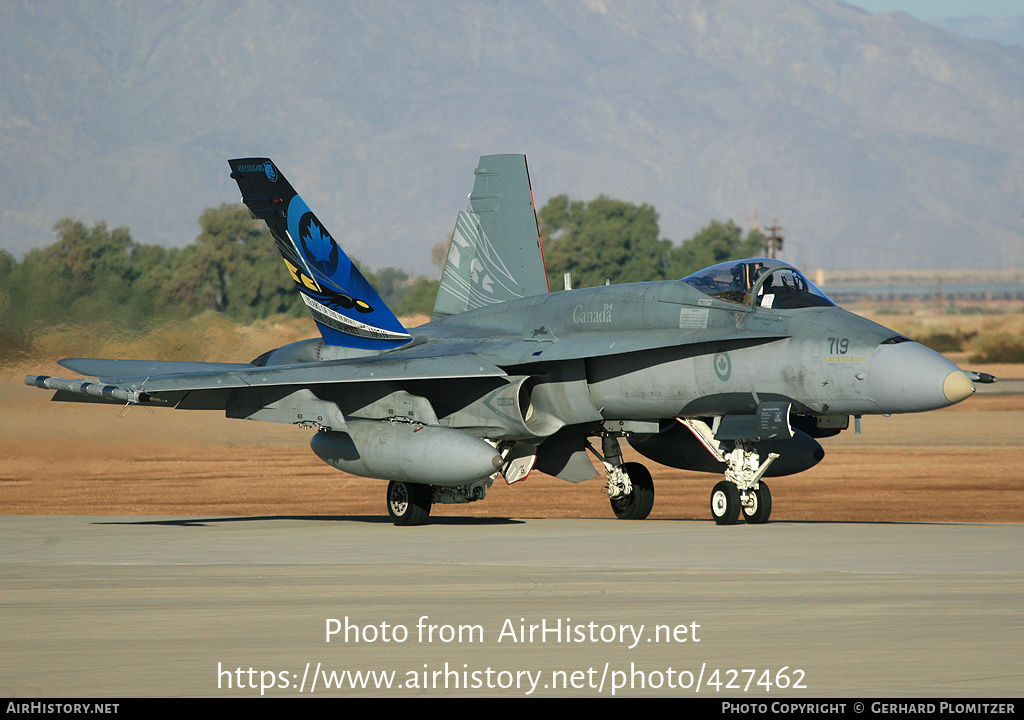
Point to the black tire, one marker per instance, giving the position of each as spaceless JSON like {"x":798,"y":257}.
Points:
{"x":725,"y":503}
{"x":409,"y":503}
{"x":762,"y":507}
{"x":638,"y":504}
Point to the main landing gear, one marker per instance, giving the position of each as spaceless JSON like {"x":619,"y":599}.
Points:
{"x":630,"y":486}
{"x":638,"y":502}
{"x":409,"y":503}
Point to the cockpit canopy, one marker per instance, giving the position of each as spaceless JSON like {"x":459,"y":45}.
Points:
{"x":760,"y":281}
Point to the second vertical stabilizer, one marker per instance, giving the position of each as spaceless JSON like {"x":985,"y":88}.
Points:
{"x":495,"y":254}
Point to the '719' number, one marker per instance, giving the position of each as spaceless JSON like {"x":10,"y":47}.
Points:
{"x":838,"y":346}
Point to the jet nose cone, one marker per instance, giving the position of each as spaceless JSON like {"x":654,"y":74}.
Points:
{"x":957,"y":386}
{"x":908,"y":377}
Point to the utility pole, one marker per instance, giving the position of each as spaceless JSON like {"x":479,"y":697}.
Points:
{"x":773,"y":241}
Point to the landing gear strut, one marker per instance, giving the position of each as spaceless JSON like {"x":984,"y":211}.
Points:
{"x":759,"y":505}
{"x":630,"y":486}
{"x":638,"y":503}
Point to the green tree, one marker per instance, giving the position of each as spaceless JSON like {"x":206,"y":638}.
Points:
{"x":233,"y":267}
{"x":604,"y":239}
{"x":405,"y":295}
{"x":717,"y":242}
{"x":14,"y":338}
{"x":418,"y":299}
{"x":84,"y":274}
{"x":86,"y":261}
{"x":150,"y":293}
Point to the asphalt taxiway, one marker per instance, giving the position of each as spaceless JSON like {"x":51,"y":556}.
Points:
{"x":227,"y":606}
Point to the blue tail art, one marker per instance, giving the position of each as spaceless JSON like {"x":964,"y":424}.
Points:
{"x":348,"y":311}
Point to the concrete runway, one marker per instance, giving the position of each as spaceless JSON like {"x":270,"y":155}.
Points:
{"x":139,"y":606}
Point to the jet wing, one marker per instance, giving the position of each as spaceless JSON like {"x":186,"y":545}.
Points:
{"x":155,"y":378}
{"x":103,"y":368}
{"x":466,"y":355}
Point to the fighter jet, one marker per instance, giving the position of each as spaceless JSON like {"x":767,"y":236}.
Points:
{"x":737,"y":369}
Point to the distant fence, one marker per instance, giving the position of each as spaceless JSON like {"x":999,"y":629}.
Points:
{"x":958,"y":292}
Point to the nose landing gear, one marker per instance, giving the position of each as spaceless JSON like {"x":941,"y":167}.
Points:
{"x":743,"y":490}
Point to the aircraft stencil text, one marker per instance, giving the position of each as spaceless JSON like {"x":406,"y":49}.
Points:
{"x":581,"y":315}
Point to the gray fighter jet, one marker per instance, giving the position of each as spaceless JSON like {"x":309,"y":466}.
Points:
{"x":737,"y":369}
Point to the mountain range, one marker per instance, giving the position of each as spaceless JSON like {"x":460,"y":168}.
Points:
{"x":874,"y":140}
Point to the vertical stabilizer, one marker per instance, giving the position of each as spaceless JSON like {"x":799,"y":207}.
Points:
{"x":348,"y":311}
{"x":495,"y":254}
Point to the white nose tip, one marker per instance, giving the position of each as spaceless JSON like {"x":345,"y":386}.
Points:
{"x":957,"y":386}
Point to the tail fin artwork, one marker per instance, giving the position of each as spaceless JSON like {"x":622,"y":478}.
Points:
{"x":495,"y":254}
{"x":348,"y":311}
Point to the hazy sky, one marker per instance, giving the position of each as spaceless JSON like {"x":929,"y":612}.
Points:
{"x":929,"y":9}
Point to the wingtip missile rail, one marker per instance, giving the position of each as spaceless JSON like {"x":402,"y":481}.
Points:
{"x":114,"y":393}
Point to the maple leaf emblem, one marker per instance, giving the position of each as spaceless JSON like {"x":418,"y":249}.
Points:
{"x":318,"y":243}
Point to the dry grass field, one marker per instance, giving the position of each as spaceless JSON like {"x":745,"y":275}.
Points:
{"x":958,"y":464}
